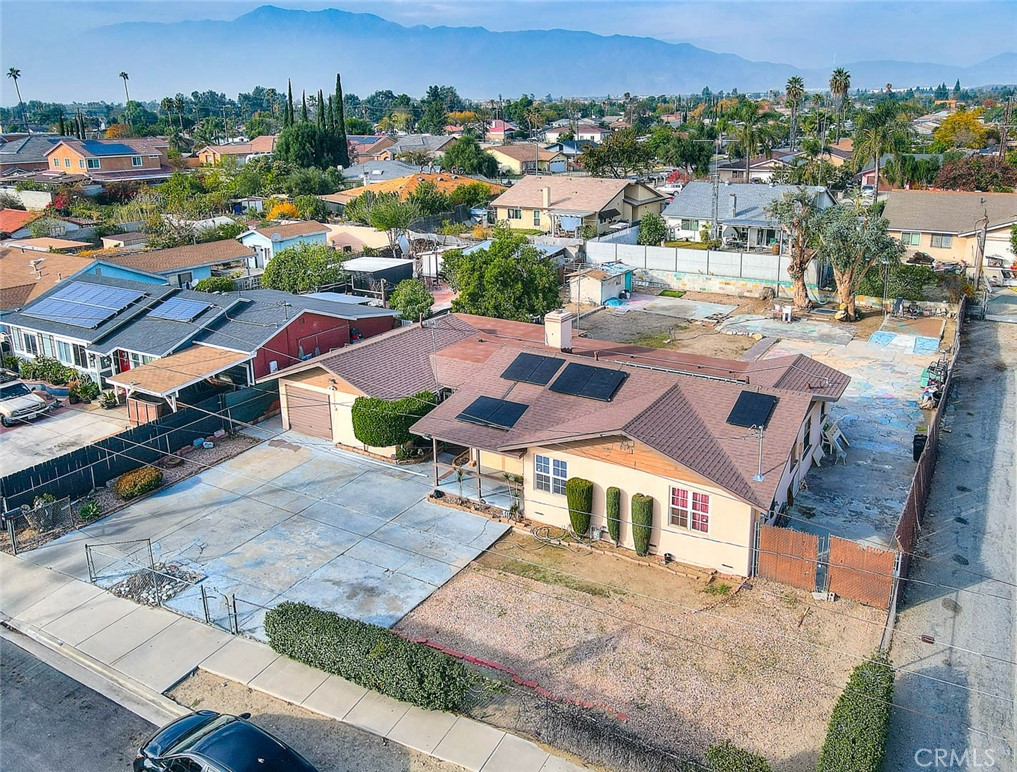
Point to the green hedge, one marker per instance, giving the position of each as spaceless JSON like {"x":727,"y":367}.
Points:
{"x":725,"y":757}
{"x":132,"y":484}
{"x":380,"y":423}
{"x":856,"y":736}
{"x":906,"y":281}
{"x":614,"y":513}
{"x":370,"y":656}
{"x":579,"y":493}
{"x":642,"y":522}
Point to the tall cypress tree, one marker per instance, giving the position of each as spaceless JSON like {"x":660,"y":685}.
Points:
{"x":342,"y":144}
{"x":321,"y":111}
{"x":81,"y":126}
{"x":303,"y":106}
{"x":288,"y":118}
{"x":330,"y":114}
{"x":61,"y":126}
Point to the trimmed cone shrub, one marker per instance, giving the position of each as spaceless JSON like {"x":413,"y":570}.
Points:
{"x":614,"y":513}
{"x":369,"y":655}
{"x":132,"y":484}
{"x":380,"y":423}
{"x":856,"y":736}
{"x":725,"y":757}
{"x":579,"y":493}
{"x":642,"y":522}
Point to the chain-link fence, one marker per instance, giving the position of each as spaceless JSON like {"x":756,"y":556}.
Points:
{"x":28,"y":526}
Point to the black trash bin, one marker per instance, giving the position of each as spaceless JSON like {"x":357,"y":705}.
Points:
{"x":918,"y":445}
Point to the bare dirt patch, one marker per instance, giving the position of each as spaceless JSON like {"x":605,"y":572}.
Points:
{"x":760,"y":666}
{"x":642,"y":328}
{"x":326,"y":743}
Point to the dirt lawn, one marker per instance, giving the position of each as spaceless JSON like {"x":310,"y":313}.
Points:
{"x":327,"y":744}
{"x":688,"y":666}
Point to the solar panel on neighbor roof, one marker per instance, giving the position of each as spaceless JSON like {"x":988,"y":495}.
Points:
{"x":488,"y":411}
{"x":67,"y":312}
{"x":532,"y":368}
{"x":752,"y":410}
{"x":179,"y":310}
{"x":600,"y":383}
{"x":100,"y":295}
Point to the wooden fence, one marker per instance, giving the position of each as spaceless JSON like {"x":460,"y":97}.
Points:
{"x":786,"y":556}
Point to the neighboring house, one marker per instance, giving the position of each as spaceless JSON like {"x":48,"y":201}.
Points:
{"x":430,"y":144}
{"x":370,"y":172}
{"x":526,"y":157}
{"x":761,"y":168}
{"x":595,"y":134}
{"x":741,"y":212}
{"x":499,"y":130}
{"x":27,"y":153}
{"x":16,"y":223}
{"x":363,"y":147}
{"x":49,"y":244}
{"x":570,"y":149}
{"x":596,"y":286}
{"x":841,"y":153}
{"x":179,"y":266}
{"x":26,"y":274}
{"x":535,"y":402}
{"x":107,"y":327}
{"x":946,"y":224}
{"x":112,"y":160}
{"x":37,"y":189}
{"x":406,"y":186}
{"x":242,"y":151}
{"x":355,"y":238}
{"x":560,"y":204}
{"x":377,"y":276}
{"x":268,"y":241}
{"x":125,"y":241}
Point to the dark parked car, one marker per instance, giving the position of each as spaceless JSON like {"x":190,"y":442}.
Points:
{"x":207,"y":741}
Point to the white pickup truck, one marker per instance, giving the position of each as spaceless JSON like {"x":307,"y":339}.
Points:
{"x":18,"y":403}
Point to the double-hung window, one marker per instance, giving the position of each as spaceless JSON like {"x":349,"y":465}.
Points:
{"x":31,"y":343}
{"x":550,"y":474}
{"x":690,"y":510}
{"x":536,"y":217}
{"x":942,"y":241}
{"x":93,"y":163}
{"x":136,"y":160}
{"x":911,"y":239}
{"x":515,"y":214}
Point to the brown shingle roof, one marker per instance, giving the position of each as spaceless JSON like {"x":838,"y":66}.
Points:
{"x":172,"y":373}
{"x":580,"y":194}
{"x":19,"y":281}
{"x":943,"y":211}
{"x":293,"y":229}
{"x":179,"y":258}
{"x":523,"y":152}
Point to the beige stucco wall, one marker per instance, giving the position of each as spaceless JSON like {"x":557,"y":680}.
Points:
{"x":727,"y":547}
{"x":799,"y":462}
{"x":495,"y":463}
{"x":965,"y":248}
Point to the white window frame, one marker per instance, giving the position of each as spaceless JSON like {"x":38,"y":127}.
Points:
{"x":536,"y":217}
{"x":945,"y":241}
{"x":515,"y":213}
{"x":67,"y":163}
{"x":550,"y":474}
{"x":137,"y":160}
{"x":689,"y":225}
{"x":32,"y":349}
{"x":56,"y":162}
{"x":81,"y":163}
{"x":93,"y":163}
{"x":696,"y":506}
{"x":911,"y":238}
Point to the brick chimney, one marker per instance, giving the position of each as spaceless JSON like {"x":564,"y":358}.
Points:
{"x":545,"y":197}
{"x":558,"y":330}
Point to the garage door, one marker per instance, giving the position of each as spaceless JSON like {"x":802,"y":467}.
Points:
{"x":308,"y":412}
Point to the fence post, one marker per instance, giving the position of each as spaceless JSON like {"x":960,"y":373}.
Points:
{"x":12,"y":533}
{"x":88,"y":561}
{"x":204,"y":604}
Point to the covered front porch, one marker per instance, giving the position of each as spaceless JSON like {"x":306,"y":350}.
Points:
{"x":758,"y":236}
{"x":481,"y":476}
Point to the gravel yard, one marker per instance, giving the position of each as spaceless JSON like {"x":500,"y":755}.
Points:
{"x":329,"y":745}
{"x":688,"y":665}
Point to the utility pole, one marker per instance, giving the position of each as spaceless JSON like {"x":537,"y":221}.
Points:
{"x":1004,"y":129}
{"x":980,"y":257}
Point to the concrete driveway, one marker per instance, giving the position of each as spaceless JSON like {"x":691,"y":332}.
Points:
{"x":65,"y":429}
{"x":296,"y":520}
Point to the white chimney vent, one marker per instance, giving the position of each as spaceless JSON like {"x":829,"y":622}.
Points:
{"x":546,"y":197}
{"x":733,"y":199}
{"x":558,"y":330}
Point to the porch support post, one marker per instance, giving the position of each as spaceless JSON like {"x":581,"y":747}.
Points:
{"x":172,"y":399}
{"x":480,"y":493}
{"x":434,"y":459}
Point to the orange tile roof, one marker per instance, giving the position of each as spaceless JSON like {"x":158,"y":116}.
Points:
{"x":444,"y":181}
{"x":15,"y":219}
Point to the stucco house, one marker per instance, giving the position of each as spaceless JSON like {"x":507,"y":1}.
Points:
{"x":268,"y":241}
{"x":27,"y":152}
{"x":721,"y":446}
{"x":525,"y":157}
{"x":565,"y":204}
{"x":741,"y":212}
{"x":180,"y":266}
{"x":107,"y":160}
{"x":947,"y":224}
{"x":761,"y":168}
{"x":242,"y":151}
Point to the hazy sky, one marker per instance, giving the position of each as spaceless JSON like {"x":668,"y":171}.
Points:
{"x":816,"y":33}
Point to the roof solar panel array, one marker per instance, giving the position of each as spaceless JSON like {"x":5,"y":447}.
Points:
{"x":179,"y":310}
{"x":488,"y":411}
{"x":81,"y":304}
{"x":600,"y":383}
{"x":752,"y":410}
{"x":532,"y":368}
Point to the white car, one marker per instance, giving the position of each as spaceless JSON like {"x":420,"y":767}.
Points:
{"x":18,"y":403}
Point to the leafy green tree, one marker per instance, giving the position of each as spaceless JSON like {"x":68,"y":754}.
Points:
{"x":465,"y":156}
{"x":311,"y":181}
{"x":691,"y":153}
{"x":428,"y":199}
{"x":652,"y":230}
{"x":359,"y":126}
{"x":393,"y":216}
{"x":508,"y":280}
{"x":884,"y":129}
{"x":216,"y":284}
{"x":311,"y":207}
{"x":620,"y":155}
{"x":258,"y":126}
{"x":985,"y":173}
{"x":304,"y":145}
{"x":412,"y":299}
{"x":853,"y":240}
{"x":473,"y":194}
{"x":798,"y":216}
{"x":435,"y":107}
{"x":754,"y":133}
{"x":303,"y":268}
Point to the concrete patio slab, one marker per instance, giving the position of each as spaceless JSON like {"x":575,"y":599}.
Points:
{"x":335,"y":697}
{"x":373,"y":493}
{"x":469,"y":744}
{"x":514,"y":754}
{"x":239,"y":660}
{"x":421,"y":730}
{"x":344,"y":518}
{"x":171,"y":654}
{"x":85,"y":621}
{"x":288,"y":680}
{"x":64,"y":600}
{"x":127,"y":633}
{"x":376,"y":713}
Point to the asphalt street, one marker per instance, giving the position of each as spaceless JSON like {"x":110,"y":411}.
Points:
{"x":49,"y":721}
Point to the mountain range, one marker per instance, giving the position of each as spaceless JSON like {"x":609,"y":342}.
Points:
{"x":270,"y":44}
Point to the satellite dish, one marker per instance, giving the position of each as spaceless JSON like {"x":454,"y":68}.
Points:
{"x":276,"y":238}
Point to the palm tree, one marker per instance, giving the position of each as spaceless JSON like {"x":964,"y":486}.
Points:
{"x":166,"y":105}
{"x":840,"y":83}
{"x":795,"y":91}
{"x":179,"y":104}
{"x":127,"y":93}
{"x":754,"y":134}
{"x":14,"y":73}
{"x":884,"y":129}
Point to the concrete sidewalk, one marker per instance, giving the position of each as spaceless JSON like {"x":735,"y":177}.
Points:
{"x":151,"y":649}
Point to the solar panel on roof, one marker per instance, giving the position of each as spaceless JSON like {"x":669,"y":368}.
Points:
{"x":532,"y":368}
{"x":100,"y":295}
{"x":488,"y":411}
{"x":600,"y":383}
{"x":179,"y":310}
{"x":67,"y":312}
{"x":752,"y":410}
